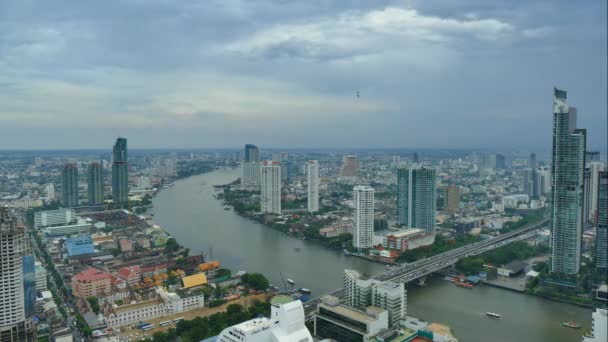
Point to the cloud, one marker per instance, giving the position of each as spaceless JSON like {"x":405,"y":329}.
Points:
{"x":359,"y":33}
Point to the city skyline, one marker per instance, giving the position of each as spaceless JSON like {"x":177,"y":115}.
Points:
{"x":297,"y":65}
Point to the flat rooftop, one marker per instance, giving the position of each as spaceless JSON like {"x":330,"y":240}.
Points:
{"x":355,"y":314}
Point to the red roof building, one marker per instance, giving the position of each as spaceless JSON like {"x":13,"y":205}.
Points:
{"x":131,"y":275}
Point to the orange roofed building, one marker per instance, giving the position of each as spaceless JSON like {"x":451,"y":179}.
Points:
{"x":131,"y":275}
{"x":94,"y":282}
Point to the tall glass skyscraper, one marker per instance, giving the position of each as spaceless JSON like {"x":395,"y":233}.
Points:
{"x":95,"y":182}
{"x":120,"y":172}
{"x":69,"y":177}
{"x":567,"y":171}
{"x":416,"y":201}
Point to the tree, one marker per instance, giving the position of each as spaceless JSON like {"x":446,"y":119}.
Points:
{"x":255,"y":281}
{"x":223,"y":272}
{"x":171,"y":246}
{"x":94,"y":303}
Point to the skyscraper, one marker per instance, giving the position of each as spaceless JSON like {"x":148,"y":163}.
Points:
{"x":595,"y":167}
{"x":250,"y":167}
{"x":416,"y":157}
{"x":532,"y":161}
{"x":95,"y":183}
{"x":313,"y":186}
{"x":120,"y":172}
{"x":416,"y":198}
{"x":452,"y":198}
{"x":501,"y":162}
{"x":271,"y":187}
{"x":350,"y":165}
{"x":69,"y":176}
{"x":363,"y":219}
{"x":528,"y":180}
{"x":601,"y":238}
{"x":15,"y":322}
{"x":567,"y":171}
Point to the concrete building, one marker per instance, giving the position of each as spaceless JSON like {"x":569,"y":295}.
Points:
{"x":250,"y":166}
{"x":513,"y":201}
{"x":363,"y":217}
{"x":599,"y":327}
{"x":15,"y":323}
{"x":357,"y":290}
{"x":452,"y":199}
{"x":391,"y":297}
{"x":286,"y":324}
{"x":40,"y":274}
{"x":343,"y":323}
{"x":313,"y":186}
{"x":94,"y":282}
{"x":407,"y":239}
{"x":144,"y":183}
{"x":79,"y":245}
{"x":543,"y":179}
{"x":49,"y":190}
{"x":416,"y":201}
{"x":69,"y":191}
{"x":67,"y":229}
{"x":96,"y":183}
{"x":601,"y":238}
{"x":53,"y":218}
{"x":131,"y":274}
{"x":567,"y":171}
{"x":595,"y":167}
{"x":271,"y":187}
{"x":532,"y":161}
{"x":350,"y":166}
{"x":120,"y":172}
{"x":528,"y":182}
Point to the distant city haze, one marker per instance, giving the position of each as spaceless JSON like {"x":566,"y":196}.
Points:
{"x":299,"y":74}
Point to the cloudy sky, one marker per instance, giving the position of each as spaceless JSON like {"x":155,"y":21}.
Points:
{"x":285,"y":73}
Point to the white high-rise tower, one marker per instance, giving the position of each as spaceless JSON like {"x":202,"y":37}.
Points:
{"x":363,"y":220}
{"x":313,"y":186}
{"x":271,"y":187}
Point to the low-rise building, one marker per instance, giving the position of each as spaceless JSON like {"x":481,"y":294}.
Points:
{"x":407,"y":239}
{"x":131,"y":275}
{"x":40,"y":274}
{"x":95,"y":282}
{"x":67,"y":229}
{"x":53,"y":218}
{"x":79,"y":245}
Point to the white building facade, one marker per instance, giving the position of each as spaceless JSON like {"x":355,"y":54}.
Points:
{"x":363,"y":219}
{"x":271,"y":187}
{"x":313,"y":186}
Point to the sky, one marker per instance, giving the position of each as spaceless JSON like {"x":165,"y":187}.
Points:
{"x":222,"y":73}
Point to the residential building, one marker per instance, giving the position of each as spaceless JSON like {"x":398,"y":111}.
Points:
{"x":350,"y":166}
{"x":15,"y":319}
{"x":528,"y":182}
{"x":357,"y":290}
{"x":49,"y":190}
{"x":452,"y":199}
{"x":392,"y":297}
{"x":120,"y":172}
{"x":271,"y":187}
{"x":601,"y":238}
{"x":95,"y":181}
{"x":599,"y":327}
{"x":513,"y":201}
{"x":131,"y":274}
{"x":342,"y":323}
{"x":501,"y":163}
{"x":79,"y":245}
{"x":94,"y":282}
{"x":286,"y":324}
{"x":250,"y":166}
{"x":416,"y":201}
{"x":595,"y":167}
{"x":313,"y":186}
{"x":144,"y":183}
{"x":532,"y":161}
{"x":543,"y":179}
{"x":567,"y":189}
{"x":53,"y":218}
{"x":40,"y":274}
{"x":70,"y":185}
{"x":363,"y":217}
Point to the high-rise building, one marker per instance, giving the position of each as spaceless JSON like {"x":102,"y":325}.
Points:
{"x":271,"y":187}
{"x":416,"y":157}
{"x":120,"y":172}
{"x":501,"y":163}
{"x":543,"y":180}
{"x":567,"y":171}
{"x":363,"y":217}
{"x":416,"y":201}
{"x":452,"y":198}
{"x":49,"y":189}
{"x":595,"y":167}
{"x":592,"y":156}
{"x":313,"y":186}
{"x":250,"y":167}
{"x":70,"y":185}
{"x":392,"y":297}
{"x":528,"y":180}
{"x":599,"y":332}
{"x":532,"y":161}
{"x":15,"y":292}
{"x":601,"y":238}
{"x":357,"y":290}
{"x":350,"y":165}
{"x":95,"y":183}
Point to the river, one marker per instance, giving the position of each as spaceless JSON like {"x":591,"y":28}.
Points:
{"x":189,"y":213}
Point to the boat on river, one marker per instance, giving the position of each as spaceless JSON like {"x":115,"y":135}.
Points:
{"x":572,"y":325}
{"x":494,"y":315}
{"x":463,"y":284}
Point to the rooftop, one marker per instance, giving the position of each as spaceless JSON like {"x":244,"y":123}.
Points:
{"x":352,"y":313}
{"x":92,"y":274}
{"x":194,"y":280}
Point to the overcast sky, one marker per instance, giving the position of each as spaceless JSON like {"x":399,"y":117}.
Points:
{"x":222,"y":73}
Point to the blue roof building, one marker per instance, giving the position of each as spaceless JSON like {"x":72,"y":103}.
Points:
{"x":78,"y":245}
